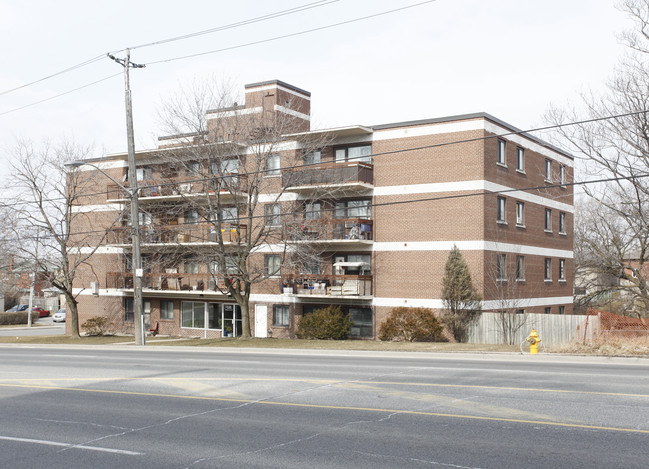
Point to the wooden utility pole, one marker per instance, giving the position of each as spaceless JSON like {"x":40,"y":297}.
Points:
{"x":135,"y":209}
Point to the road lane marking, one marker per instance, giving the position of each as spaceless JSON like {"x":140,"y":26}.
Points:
{"x":335,"y":407}
{"x":70,"y":446}
{"x":333,"y":381}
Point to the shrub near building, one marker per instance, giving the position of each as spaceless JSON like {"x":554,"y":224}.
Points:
{"x":326,"y":323}
{"x":410,"y":325}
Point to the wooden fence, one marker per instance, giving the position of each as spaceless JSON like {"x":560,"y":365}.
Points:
{"x":554,"y":329}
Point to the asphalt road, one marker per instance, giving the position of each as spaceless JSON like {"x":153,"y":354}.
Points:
{"x":108,"y":407}
{"x":43,"y":326}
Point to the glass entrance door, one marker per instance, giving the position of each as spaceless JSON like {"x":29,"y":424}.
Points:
{"x":231,"y":320}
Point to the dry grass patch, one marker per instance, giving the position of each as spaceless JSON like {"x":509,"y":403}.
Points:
{"x":609,"y":348}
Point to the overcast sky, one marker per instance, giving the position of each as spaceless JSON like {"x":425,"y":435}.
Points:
{"x":510,"y":58}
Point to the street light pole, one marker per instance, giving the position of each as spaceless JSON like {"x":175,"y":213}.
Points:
{"x":135,"y":209}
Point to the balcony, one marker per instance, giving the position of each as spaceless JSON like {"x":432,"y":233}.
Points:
{"x":176,"y":188}
{"x":334,"y":229}
{"x":176,"y":234}
{"x":357,"y":286}
{"x":168,"y":282}
{"x":328,"y":176}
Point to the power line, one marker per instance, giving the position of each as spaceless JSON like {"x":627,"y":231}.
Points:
{"x":258,"y":19}
{"x":59,"y":95}
{"x":299,"y":33}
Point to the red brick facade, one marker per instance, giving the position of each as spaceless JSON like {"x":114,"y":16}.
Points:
{"x":397,"y":198}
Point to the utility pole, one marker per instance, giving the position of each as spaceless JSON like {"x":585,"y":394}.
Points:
{"x":135,"y":209}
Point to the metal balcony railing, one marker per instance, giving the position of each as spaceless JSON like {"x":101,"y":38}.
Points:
{"x":168,"y":281}
{"x":329,"y":173}
{"x":236,"y":183}
{"x":333,"y":229}
{"x":177,"y":234}
{"x":328,"y":285}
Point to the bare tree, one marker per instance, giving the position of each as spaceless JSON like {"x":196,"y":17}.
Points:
{"x":45,"y":205}
{"x":234,"y":160}
{"x":614,"y":145}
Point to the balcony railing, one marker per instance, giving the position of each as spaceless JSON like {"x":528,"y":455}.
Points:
{"x":329,"y":173}
{"x":236,"y":183}
{"x":167,"y":281}
{"x":328,"y":285}
{"x":177,"y":234}
{"x":334,"y":229}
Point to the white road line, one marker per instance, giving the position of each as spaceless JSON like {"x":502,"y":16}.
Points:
{"x":67,"y":445}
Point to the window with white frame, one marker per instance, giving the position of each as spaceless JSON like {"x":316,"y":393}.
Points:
{"x":353,"y":209}
{"x":192,"y":314}
{"x":562,"y":174}
{"x":193,"y":168}
{"x":562,"y":309}
{"x":547,"y":310}
{"x":191,"y":266}
{"x":562,"y":223}
{"x":520,"y":268}
{"x":520,"y":159}
{"x":562,"y":270}
{"x":144,"y":173}
{"x":548,"y":219}
{"x":501,"y":268}
{"x":273,"y":165}
{"x":520,"y":214}
{"x":281,"y":315}
{"x":166,"y":309}
{"x":272,"y":214}
{"x":500,"y":213}
{"x":502,"y":147}
{"x":548,"y":270}
{"x":272,"y":264}
{"x":548,"y":170}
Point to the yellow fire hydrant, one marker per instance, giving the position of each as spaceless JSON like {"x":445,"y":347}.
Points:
{"x":534,"y":340}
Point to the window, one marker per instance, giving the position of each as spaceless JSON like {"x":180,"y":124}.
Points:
{"x":280,"y":315}
{"x":501,"y":273}
{"x":562,"y":175}
{"x":362,"y":319}
{"x":228,"y":215}
{"x":547,"y":310}
{"x":354,"y":154}
{"x":548,"y":219}
{"x":166,"y":309}
{"x":129,"y":308}
{"x":562,"y":270}
{"x":520,"y":311}
{"x":520,"y":214}
{"x":273,"y":165}
{"x":315,"y":157}
{"x":562,"y":223}
{"x":520,"y":160}
{"x":272,"y":214}
{"x":231,"y":265}
{"x":520,"y":268}
{"x":562,"y":309}
{"x":272,"y":264}
{"x":191,"y":217}
{"x":311,"y":267}
{"x":501,"y":152}
{"x":548,"y":170}
{"x":192,"y":314}
{"x":313,"y":211}
{"x":500,"y":216}
{"x":353,"y":209}
{"x":548,"y":270}
{"x":190,"y":266}
{"x":143,"y":173}
{"x":193,"y":168}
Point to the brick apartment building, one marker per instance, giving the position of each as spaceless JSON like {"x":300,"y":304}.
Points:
{"x":362,"y":217}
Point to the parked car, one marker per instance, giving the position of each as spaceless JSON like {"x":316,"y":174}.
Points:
{"x":17,"y":308}
{"x":59,"y":316}
{"x":42,"y":313}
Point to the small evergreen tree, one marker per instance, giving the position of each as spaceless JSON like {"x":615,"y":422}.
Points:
{"x":461,"y":301}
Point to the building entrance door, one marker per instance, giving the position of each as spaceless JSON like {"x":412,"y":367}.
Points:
{"x":231,"y":320}
{"x":261,"y":320}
